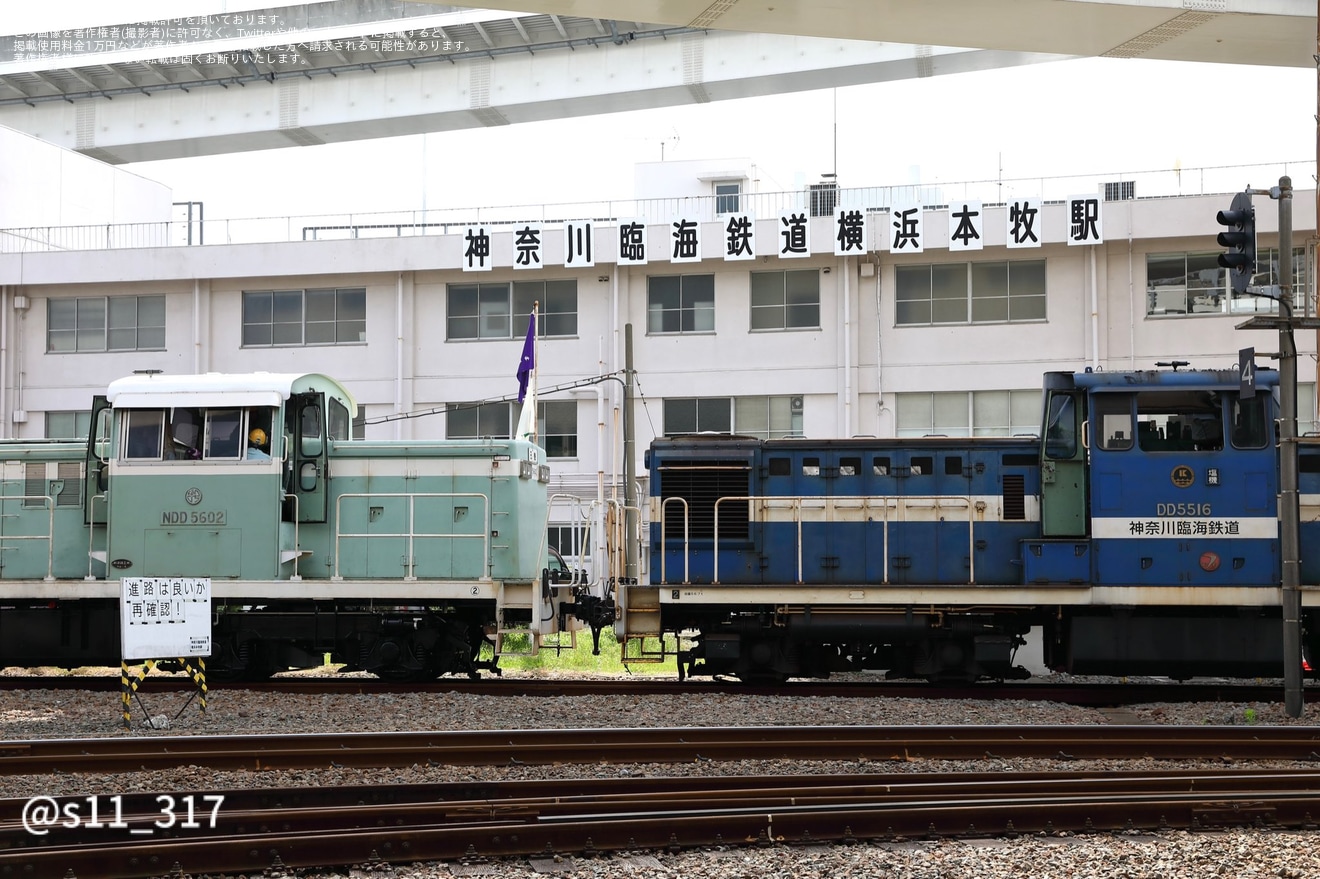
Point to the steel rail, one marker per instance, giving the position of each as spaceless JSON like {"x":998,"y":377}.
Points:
{"x":256,"y":812}
{"x":1093,"y":695}
{"x":444,"y":832}
{"x":660,"y":745}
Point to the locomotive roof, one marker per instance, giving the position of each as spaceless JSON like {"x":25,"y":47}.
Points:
{"x":1206,"y":379}
{"x":157,"y":390}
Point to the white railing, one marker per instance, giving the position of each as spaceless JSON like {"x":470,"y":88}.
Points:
{"x":1160,"y":183}
{"x":822,"y":509}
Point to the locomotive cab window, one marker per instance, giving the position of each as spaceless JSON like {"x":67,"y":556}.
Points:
{"x":341,"y":424}
{"x":224,"y":434}
{"x":143,"y":436}
{"x":1060,"y":428}
{"x":1180,"y":421}
{"x":1250,"y":426}
{"x":1113,"y":417}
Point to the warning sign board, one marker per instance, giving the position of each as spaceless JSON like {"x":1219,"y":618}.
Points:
{"x":165,"y":617}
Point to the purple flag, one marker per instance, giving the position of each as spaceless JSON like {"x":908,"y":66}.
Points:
{"x":528,"y":362}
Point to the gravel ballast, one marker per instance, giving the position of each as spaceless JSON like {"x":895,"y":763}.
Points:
{"x":60,"y":714}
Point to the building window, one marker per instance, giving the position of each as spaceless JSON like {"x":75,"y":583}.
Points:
{"x":768,"y":417}
{"x":785,"y":300}
{"x":68,"y":425}
{"x":556,"y":424}
{"x":1185,"y":283}
{"x":680,"y":304}
{"x":761,"y":417}
{"x":727,"y":196}
{"x":556,"y":428}
{"x":273,"y":318}
{"x":572,"y":542}
{"x":105,"y":323}
{"x":979,"y":292}
{"x":960,"y":413}
{"x":501,"y":311}
{"x":1193,"y":283}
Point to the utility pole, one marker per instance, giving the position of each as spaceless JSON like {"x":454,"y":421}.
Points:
{"x":1289,"y":510}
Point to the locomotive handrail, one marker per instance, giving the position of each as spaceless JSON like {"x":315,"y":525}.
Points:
{"x":49,"y":536}
{"x":411,"y":534}
{"x":865,"y":502}
{"x":295,"y":577}
{"x":91,"y":531}
{"x":663,"y":521}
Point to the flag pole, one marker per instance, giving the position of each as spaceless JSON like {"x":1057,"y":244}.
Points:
{"x":527,"y":373}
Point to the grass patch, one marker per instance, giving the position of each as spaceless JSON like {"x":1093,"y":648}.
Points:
{"x":579,"y":660}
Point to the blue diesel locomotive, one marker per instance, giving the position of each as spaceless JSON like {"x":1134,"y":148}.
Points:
{"x":1139,"y":532}
{"x":402,"y":558}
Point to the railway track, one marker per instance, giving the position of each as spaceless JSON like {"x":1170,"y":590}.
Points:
{"x":1081,"y":694}
{"x":259,"y":830}
{"x":658,"y":745}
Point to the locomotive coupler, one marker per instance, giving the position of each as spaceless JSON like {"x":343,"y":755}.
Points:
{"x":596,"y":612}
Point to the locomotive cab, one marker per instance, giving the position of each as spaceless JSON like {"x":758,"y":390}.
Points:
{"x":217,"y":477}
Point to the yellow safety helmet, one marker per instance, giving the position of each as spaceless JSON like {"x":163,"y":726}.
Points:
{"x":257,"y":437}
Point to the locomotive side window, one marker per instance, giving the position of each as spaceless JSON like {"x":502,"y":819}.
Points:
{"x":953,"y":465}
{"x":341,"y":426}
{"x":309,"y":429}
{"x":145,"y":428}
{"x":1249,"y":425}
{"x":1113,"y":416}
{"x":224,"y":433}
{"x":923,"y":466}
{"x":850,"y":466}
{"x":811,"y":466}
{"x":184,"y":435}
{"x":780,"y":467}
{"x":1061,"y":428}
{"x":880,"y":466}
{"x":1180,"y":421}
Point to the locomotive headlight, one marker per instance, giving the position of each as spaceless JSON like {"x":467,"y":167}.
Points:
{"x":1212,"y":476}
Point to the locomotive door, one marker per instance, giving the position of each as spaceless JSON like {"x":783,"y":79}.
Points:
{"x":96,"y":466}
{"x":1063,"y":468}
{"x":309,"y":457}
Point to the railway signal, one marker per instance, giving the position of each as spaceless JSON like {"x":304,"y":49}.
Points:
{"x":1240,"y":239}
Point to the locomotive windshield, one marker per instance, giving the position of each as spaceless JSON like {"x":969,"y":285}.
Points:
{"x":1180,"y":421}
{"x":192,"y":433}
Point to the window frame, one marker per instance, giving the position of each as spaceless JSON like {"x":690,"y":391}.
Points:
{"x":692,"y":309}
{"x":510,"y":303}
{"x":93,"y":318}
{"x":774,"y":301}
{"x":486,"y":413}
{"x":287,"y":315}
{"x":962,"y":293}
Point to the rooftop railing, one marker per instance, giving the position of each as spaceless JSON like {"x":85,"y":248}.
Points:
{"x":819,"y":199}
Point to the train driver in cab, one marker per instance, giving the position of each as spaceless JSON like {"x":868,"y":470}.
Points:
{"x":258,"y":445}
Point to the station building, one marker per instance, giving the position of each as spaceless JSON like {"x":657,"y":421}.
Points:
{"x":821,"y":312}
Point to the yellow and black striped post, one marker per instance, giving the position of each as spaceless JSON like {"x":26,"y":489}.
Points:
{"x":126,"y":694}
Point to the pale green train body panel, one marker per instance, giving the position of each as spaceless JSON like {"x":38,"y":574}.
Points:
{"x":403,"y":558}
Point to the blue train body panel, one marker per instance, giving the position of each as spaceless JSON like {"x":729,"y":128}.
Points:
{"x":1144,"y":479}
{"x":935,"y":510}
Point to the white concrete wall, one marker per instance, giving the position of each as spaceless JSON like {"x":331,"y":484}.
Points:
{"x":848,"y":370}
{"x":46,"y":185}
